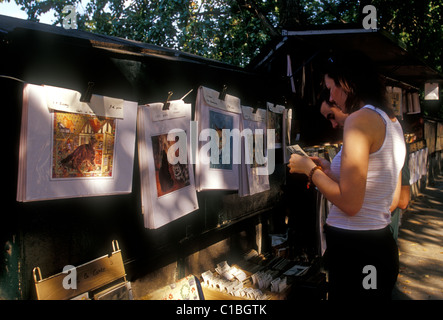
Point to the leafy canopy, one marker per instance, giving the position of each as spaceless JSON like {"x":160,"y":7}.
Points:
{"x":233,"y":31}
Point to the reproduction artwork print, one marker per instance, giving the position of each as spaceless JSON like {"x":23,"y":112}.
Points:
{"x":219,"y":122}
{"x":217,"y":114}
{"x":83,"y":146}
{"x":275,"y":121}
{"x":81,"y":151}
{"x":255,"y":153}
{"x":169,"y":177}
{"x":258,"y":147}
{"x":166,"y":176}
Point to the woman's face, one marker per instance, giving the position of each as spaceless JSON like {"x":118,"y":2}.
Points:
{"x":337,"y":95}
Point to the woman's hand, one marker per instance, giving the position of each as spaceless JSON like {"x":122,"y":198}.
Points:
{"x":325,"y":166}
{"x":300,"y":164}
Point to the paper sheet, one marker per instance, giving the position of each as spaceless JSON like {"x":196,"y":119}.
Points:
{"x":167,"y":176}
{"x":254,"y":152}
{"x":66,"y":155}
{"x":217,"y":119}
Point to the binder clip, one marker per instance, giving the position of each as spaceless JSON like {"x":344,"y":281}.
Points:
{"x":222,"y":94}
{"x":166,"y":104}
{"x":86,"y":96}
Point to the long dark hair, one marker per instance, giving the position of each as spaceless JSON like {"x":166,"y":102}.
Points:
{"x":358,"y":76}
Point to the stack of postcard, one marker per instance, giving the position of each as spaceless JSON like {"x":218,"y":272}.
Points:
{"x":72,"y":149}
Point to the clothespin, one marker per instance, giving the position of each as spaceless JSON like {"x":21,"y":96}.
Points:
{"x":86,"y":96}
{"x":222,"y":94}
{"x":166,"y":104}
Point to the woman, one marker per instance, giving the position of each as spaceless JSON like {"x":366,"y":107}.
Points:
{"x":337,"y":119}
{"x":362,"y":182}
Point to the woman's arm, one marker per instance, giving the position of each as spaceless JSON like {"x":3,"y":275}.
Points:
{"x":358,"y":139}
{"x":326,"y":167}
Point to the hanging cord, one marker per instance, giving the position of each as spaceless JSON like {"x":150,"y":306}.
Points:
{"x":12,"y":78}
{"x":182,"y":98}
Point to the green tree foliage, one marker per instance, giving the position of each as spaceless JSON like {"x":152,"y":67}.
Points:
{"x":233,"y":31}
{"x":418,"y":24}
{"x":226,"y":30}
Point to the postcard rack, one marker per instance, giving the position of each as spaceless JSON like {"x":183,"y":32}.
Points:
{"x":102,"y":278}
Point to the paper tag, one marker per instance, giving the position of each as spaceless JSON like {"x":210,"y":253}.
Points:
{"x":431,"y":91}
{"x":231,"y":103}
{"x":259,"y":115}
{"x":275,"y":108}
{"x":66,"y":100}
{"x":176,"y":110}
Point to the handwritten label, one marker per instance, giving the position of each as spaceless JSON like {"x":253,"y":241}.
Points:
{"x":176,"y":110}
{"x":259,"y":115}
{"x":231,"y":103}
{"x":275,"y":108}
{"x":66,"y":100}
{"x":95,"y":272}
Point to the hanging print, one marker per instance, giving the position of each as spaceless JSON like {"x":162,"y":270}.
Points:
{"x":166,"y":175}
{"x":218,"y":120}
{"x":275,"y":121}
{"x":221,"y":123}
{"x":69,"y":148}
{"x":169,"y":177}
{"x":255,"y":152}
{"x":83,"y":146}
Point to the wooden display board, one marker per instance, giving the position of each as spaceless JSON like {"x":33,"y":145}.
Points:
{"x":90,"y":276}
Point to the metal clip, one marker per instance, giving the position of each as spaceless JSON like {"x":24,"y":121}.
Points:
{"x":86,"y":96}
{"x":166,"y":104}
{"x":222,"y":94}
{"x":115,"y":246}
{"x":35,"y":275}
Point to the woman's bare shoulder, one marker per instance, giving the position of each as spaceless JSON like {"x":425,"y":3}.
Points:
{"x":365,"y":119}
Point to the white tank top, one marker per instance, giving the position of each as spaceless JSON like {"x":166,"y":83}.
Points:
{"x":383,"y":172}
